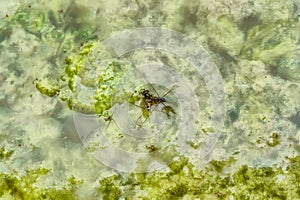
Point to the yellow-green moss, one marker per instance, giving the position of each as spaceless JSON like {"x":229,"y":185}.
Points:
{"x":47,"y":87}
{"x":4,"y":154}
{"x":270,"y":41}
{"x":108,"y":189}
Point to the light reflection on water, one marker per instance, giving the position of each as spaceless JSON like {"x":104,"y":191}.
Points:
{"x":41,"y":132}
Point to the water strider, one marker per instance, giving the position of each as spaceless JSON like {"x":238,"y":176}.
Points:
{"x":151,"y":101}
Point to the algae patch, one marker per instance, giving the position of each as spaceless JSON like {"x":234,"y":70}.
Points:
{"x":260,"y":57}
{"x":88,"y":82}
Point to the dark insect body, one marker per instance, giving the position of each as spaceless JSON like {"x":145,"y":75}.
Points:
{"x":151,"y":148}
{"x":150,"y":100}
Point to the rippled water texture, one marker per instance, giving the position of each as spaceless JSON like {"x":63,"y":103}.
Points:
{"x":73,"y":121}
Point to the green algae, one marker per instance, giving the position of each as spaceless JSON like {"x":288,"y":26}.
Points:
{"x":226,"y":35}
{"x":108,"y":188}
{"x":47,"y":87}
{"x":258,"y":182}
{"x":77,"y":74}
{"x":270,"y":43}
{"x":14,"y":186}
{"x":183,"y":180}
{"x":31,"y":20}
{"x":5,"y":154}
{"x":274,"y":140}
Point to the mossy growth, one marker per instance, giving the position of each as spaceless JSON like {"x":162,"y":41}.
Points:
{"x":88,"y":83}
{"x":182,"y":181}
{"x":177,"y":165}
{"x":258,"y":183}
{"x":47,"y":87}
{"x":16,"y":186}
{"x":32,"y":20}
{"x":274,"y":140}
{"x":185,"y":181}
{"x":225,"y":35}
{"x":271,"y":41}
{"x":4,"y":154}
{"x":108,"y":188}
{"x":75,"y":62}
{"x":218,"y":166}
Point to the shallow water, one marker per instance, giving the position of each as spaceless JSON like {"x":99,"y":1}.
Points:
{"x":232,"y":69}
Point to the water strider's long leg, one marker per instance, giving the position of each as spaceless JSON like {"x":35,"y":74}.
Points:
{"x":142,"y":106}
{"x":156,"y":101}
{"x":151,"y":101}
{"x":165,"y":94}
{"x":152,"y":87}
{"x":148,"y":116}
{"x":110,"y":119}
{"x":170,"y":90}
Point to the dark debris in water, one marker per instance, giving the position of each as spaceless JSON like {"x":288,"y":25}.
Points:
{"x":249,"y":22}
{"x":296,"y":119}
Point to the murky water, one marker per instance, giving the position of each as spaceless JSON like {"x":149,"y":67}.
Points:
{"x":74,"y":123}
